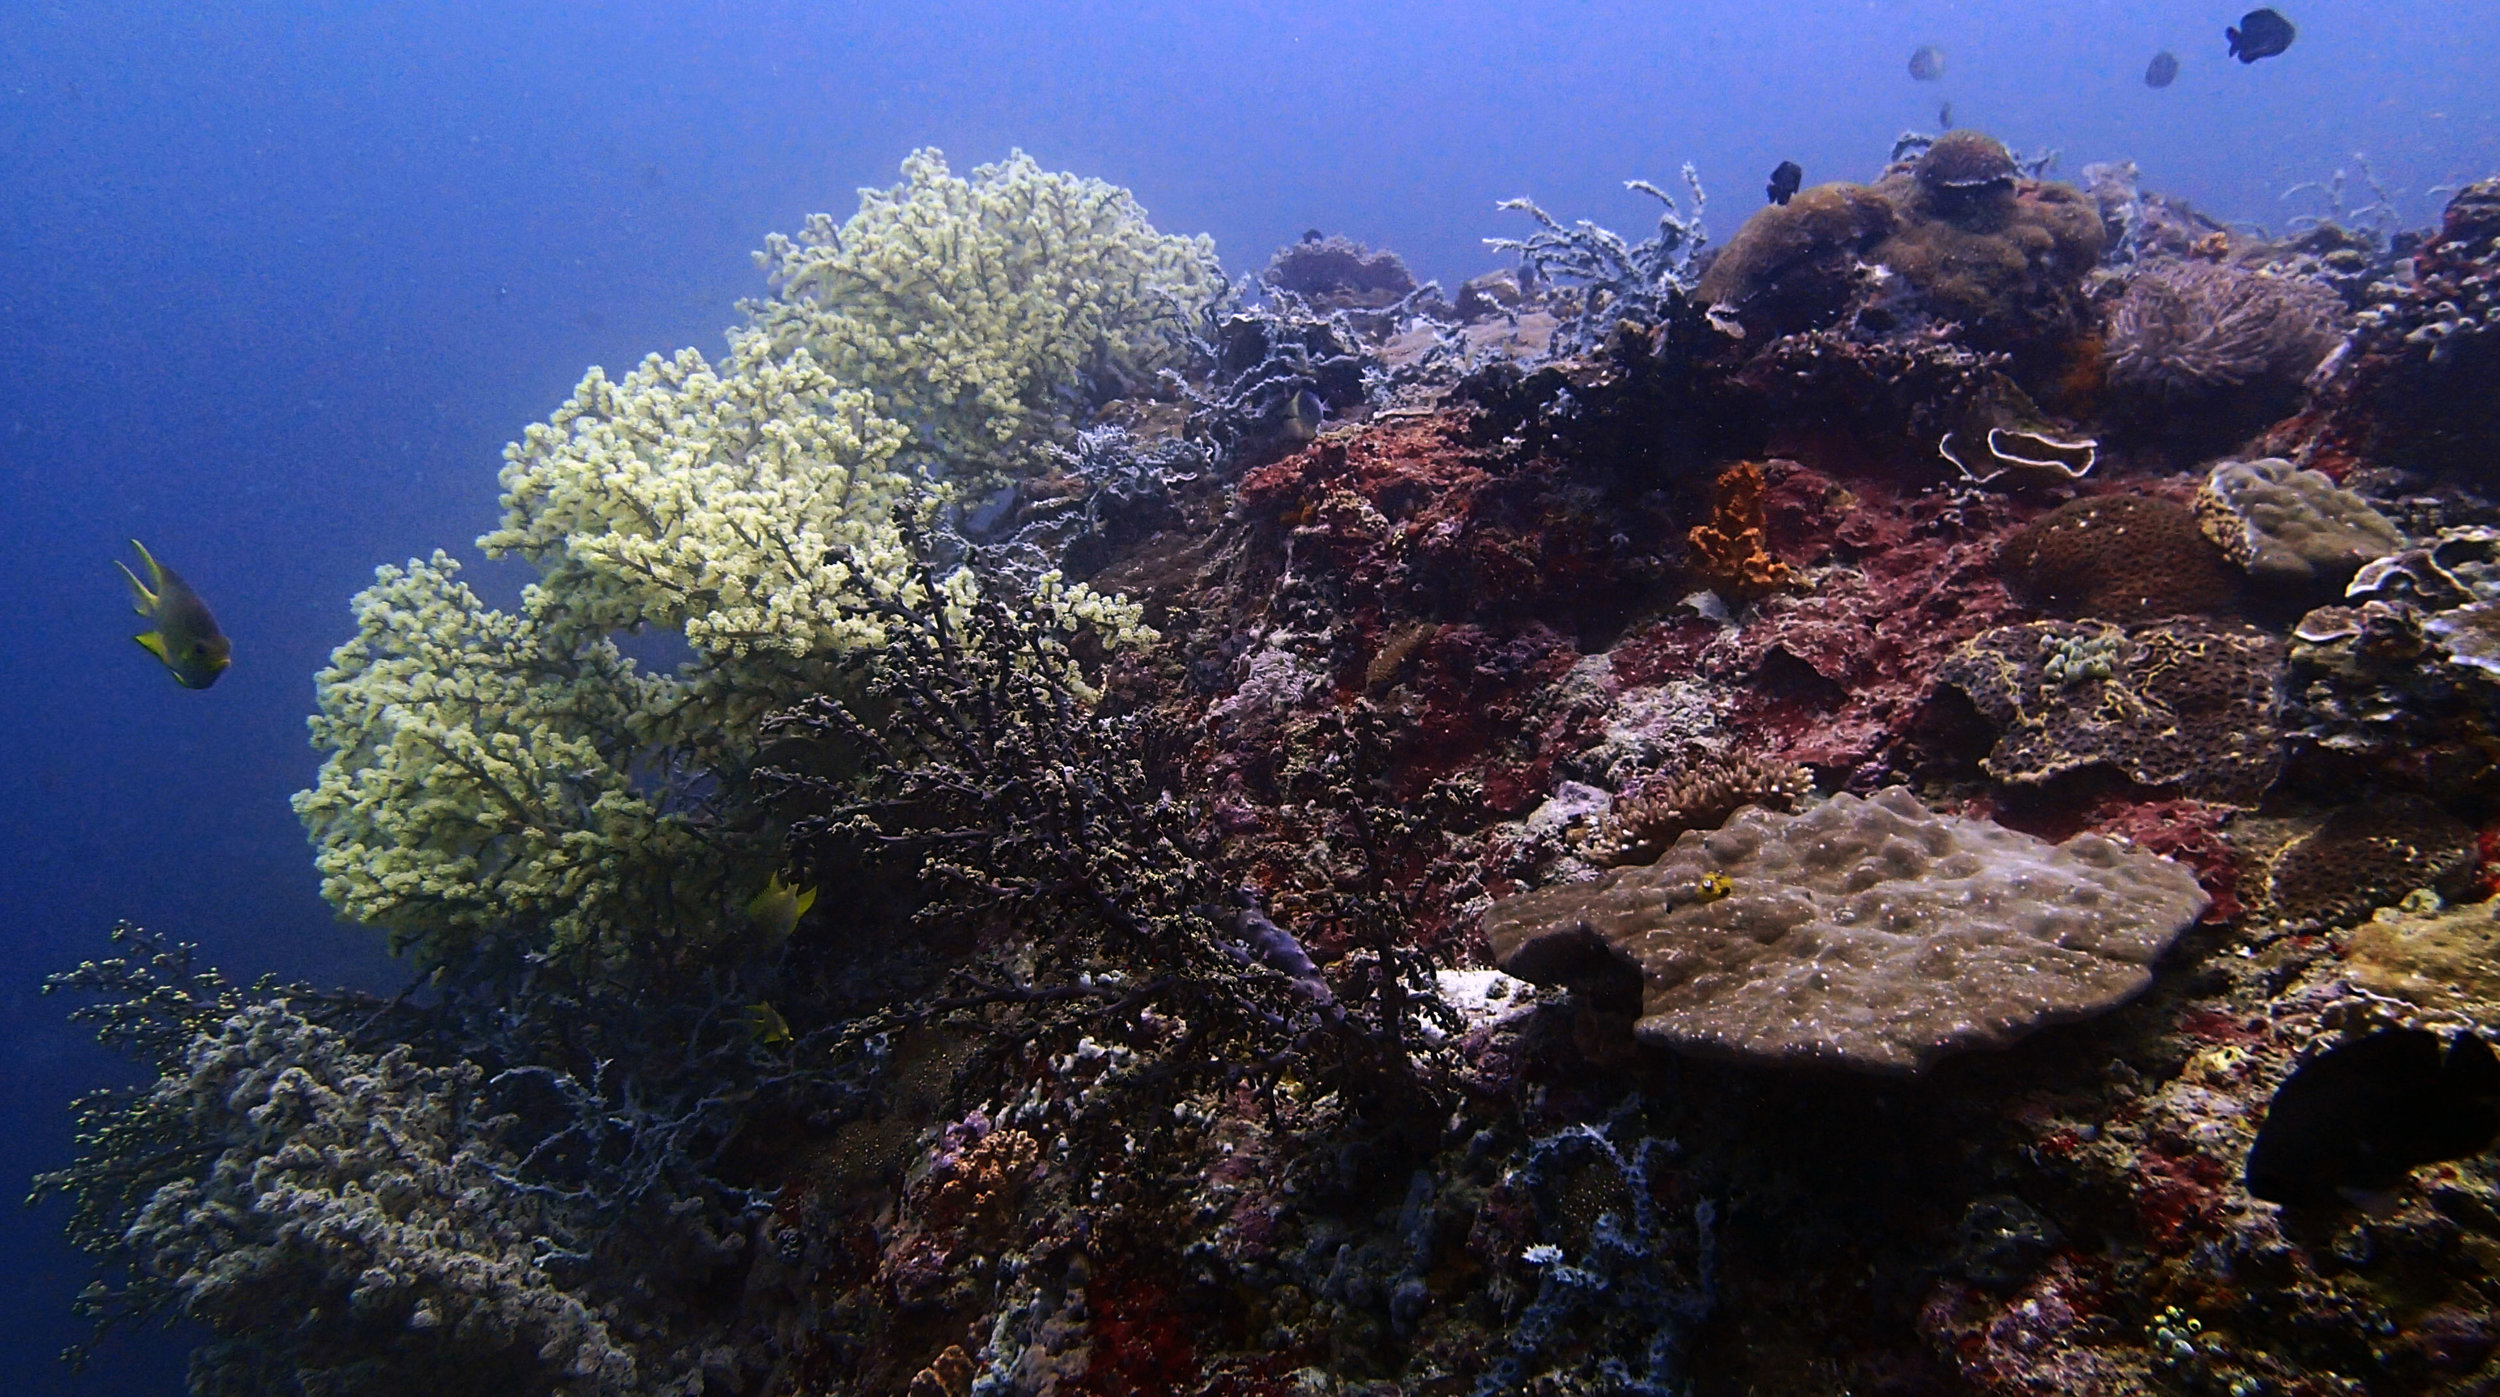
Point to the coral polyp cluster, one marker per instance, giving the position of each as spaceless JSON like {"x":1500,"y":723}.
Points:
{"x":1768,"y":823}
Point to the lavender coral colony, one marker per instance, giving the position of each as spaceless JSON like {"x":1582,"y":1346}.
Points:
{"x":1901,"y":806}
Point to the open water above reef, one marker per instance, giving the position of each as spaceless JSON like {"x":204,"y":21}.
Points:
{"x":277,"y":283}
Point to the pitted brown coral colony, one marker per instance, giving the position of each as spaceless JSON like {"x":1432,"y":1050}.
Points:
{"x":1762,"y":823}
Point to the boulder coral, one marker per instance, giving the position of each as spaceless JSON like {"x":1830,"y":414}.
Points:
{"x":2000,"y":256}
{"x":1870,"y":934}
{"x":2118,"y":558}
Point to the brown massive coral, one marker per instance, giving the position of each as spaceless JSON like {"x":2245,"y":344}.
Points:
{"x":2119,"y":558}
{"x":2002,"y":257}
{"x":1872,"y":934}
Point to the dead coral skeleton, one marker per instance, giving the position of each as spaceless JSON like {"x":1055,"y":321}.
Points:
{"x":1645,"y":282}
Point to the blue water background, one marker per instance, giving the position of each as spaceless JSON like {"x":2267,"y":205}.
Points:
{"x":277,"y":282}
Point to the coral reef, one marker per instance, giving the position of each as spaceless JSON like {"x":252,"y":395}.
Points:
{"x":1872,"y":934}
{"x":2118,"y":558}
{"x":1179,"y":708}
{"x":2185,"y":705}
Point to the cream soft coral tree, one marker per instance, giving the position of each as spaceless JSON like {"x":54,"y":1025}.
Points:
{"x":480,"y":775}
{"x":730,"y":504}
{"x":499,"y":774}
{"x":977,"y":309}
{"x":507,"y":779}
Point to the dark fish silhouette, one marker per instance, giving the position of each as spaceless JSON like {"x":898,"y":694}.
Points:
{"x":2163,"y":70}
{"x":1785,"y":177}
{"x":1944,"y":117}
{"x":2262,"y":34}
{"x":2362,"y":1114}
{"x":1301,"y":418}
{"x":1927,"y":62}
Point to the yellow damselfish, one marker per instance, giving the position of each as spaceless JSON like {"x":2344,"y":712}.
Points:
{"x":767,"y":1024}
{"x":186,"y":639}
{"x":776,"y":910}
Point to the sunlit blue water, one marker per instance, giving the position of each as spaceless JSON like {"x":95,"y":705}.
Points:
{"x":277,"y":282}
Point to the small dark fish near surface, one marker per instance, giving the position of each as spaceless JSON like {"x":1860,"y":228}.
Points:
{"x":1927,"y":62}
{"x":2163,"y":70}
{"x":2362,"y":1114}
{"x":2262,"y":34}
{"x":1785,"y":177}
{"x":185,"y":639}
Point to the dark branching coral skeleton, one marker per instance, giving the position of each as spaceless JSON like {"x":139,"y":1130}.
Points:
{"x":1178,"y":707}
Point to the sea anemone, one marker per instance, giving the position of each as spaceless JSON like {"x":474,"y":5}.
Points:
{"x":2189,"y":329}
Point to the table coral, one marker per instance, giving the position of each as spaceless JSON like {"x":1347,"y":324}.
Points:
{"x":1871,"y":934}
{"x":2185,"y":704}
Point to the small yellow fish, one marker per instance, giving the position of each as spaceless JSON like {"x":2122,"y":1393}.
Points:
{"x":767,"y":1024}
{"x":186,"y":638}
{"x":776,"y":910}
{"x":1710,"y":887}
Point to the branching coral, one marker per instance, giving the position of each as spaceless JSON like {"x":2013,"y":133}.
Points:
{"x":344,"y":1217}
{"x":481,"y":778}
{"x":1646,"y":282}
{"x":495,"y":775}
{"x":979,"y":311}
{"x":1013,"y":801}
{"x":732,"y":504}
